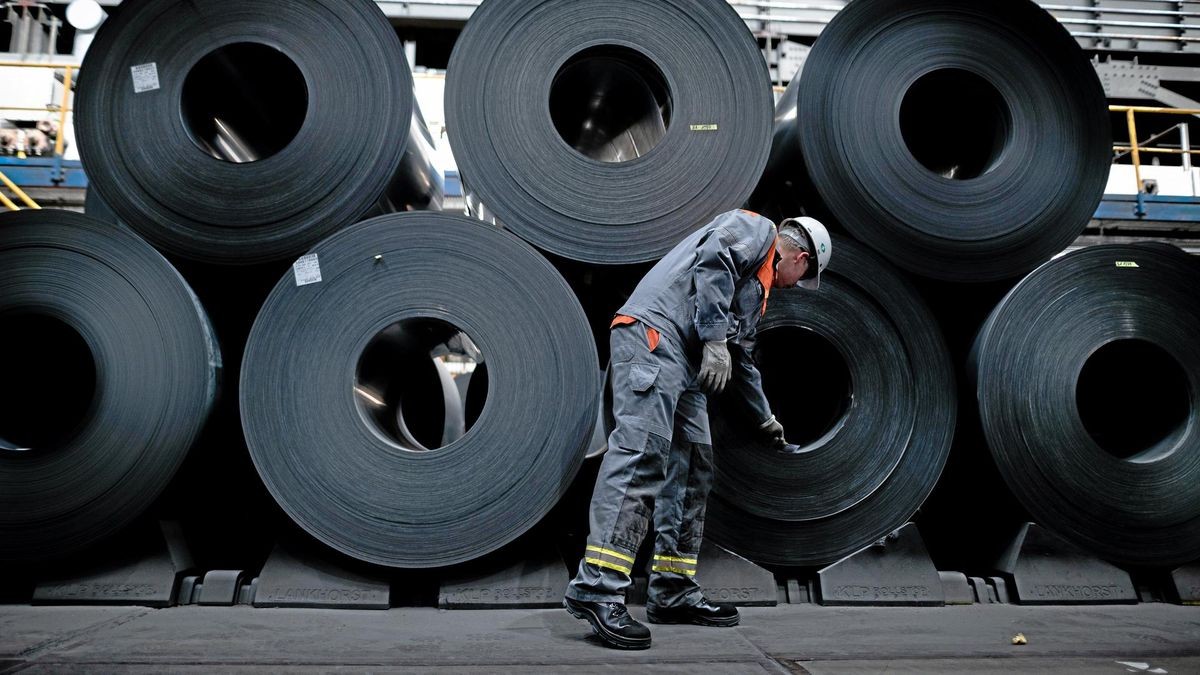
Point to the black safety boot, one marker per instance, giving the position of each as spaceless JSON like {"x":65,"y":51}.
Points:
{"x":703,"y":613}
{"x":612,"y":623}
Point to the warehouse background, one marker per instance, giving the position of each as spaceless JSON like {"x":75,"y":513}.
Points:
{"x":813,"y":525}
{"x":1146,"y":52}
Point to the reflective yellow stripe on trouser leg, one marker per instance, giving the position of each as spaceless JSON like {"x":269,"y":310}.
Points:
{"x":610,"y":559}
{"x":675,"y":565}
{"x":612,"y":553}
{"x":674,"y":570}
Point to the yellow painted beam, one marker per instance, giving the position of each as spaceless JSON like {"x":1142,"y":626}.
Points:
{"x":8,"y":203}
{"x":1133,"y":147}
{"x":18,"y":192}
{"x":1152,"y":110}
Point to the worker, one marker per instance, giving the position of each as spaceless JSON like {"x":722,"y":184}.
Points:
{"x":686,"y":333}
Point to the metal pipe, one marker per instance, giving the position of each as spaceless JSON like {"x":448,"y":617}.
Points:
{"x":1133,"y":143}
{"x":52,"y":42}
{"x":1153,"y":110}
{"x":1157,"y":136}
{"x":436,"y":3}
{"x":1125,"y":149}
{"x":23,"y":30}
{"x":45,"y":108}
{"x":37,"y":35}
{"x":803,"y":6}
{"x":60,"y":137}
{"x":1130,"y":24}
{"x":1185,"y":141}
{"x":34,"y":64}
{"x":776,"y":18}
{"x":1119,"y":10}
{"x":1141,"y":38}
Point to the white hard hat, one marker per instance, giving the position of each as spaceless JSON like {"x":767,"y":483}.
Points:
{"x":819,"y":244}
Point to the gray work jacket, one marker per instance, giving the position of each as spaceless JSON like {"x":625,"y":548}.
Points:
{"x":707,"y":288}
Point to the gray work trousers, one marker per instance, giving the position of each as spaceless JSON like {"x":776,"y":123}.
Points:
{"x":659,"y":462}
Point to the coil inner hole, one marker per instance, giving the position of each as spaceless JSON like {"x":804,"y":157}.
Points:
{"x":421,"y":384}
{"x":955,"y":123}
{"x":244,"y":102}
{"x":807,"y":381}
{"x":610,"y":103}
{"x":47,"y":382}
{"x":1135,"y":400}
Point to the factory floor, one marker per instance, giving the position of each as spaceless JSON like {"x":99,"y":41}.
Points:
{"x":1151,"y":638}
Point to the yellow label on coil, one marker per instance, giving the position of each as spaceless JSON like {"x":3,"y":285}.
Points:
{"x":1128,"y":264}
{"x":704,"y":127}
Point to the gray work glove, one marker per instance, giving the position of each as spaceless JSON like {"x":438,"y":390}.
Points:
{"x":716,"y":367}
{"x":771,"y":432}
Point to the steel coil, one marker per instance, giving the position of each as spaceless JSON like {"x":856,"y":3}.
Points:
{"x":110,"y":371}
{"x":966,"y":141}
{"x":859,"y":376}
{"x":605,"y":131}
{"x":1088,"y":384}
{"x":332,"y":370}
{"x":260,"y":131}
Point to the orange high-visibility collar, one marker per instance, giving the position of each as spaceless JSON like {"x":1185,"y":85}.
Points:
{"x":766,"y":274}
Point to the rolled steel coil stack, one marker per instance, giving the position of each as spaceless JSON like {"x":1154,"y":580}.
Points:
{"x":455,"y":383}
{"x":607,"y":132}
{"x":873,"y":419}
{"x":969,"y":144}
{"x":963,"y":143}
{"x":262,"y":131}
{"x":1088,"y":381}
{"x":111,"y":369}
{"x":419,"y":390}
{"x":325,"y":373}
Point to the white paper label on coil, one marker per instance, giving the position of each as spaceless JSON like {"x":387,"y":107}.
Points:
{"x":308,"y":270}
{"x":145,"y":78}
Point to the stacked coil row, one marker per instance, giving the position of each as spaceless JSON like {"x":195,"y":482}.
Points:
{"x":420,"y":390}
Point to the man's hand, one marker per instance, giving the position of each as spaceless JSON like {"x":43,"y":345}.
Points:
{"x":772,"y":433}
{"x":716,"y":367}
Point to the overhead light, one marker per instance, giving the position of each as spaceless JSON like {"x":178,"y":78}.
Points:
{"x":85,"y":15}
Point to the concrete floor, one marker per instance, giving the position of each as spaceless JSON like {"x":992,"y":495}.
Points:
{"x":789,"y":639}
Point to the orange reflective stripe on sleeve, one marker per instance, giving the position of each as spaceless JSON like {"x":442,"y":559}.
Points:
{"x":652,"y":336}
